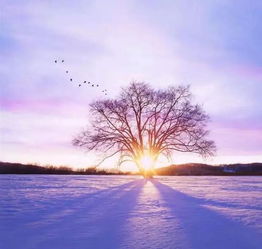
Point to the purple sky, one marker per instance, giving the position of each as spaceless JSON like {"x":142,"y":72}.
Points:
{"x":213,"y":45}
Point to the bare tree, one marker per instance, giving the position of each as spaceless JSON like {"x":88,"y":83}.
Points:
{"x":143,"y":123}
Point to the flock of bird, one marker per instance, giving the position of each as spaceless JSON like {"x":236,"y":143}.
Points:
{"x":84,"y":82}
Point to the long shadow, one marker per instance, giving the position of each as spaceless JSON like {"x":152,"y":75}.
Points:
{"x":88,"y":201}
{"x":57,"y":208}
{"x":90,"y":221}
{"x":204,"y":228}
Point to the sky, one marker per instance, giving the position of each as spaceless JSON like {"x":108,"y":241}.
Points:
{"x":215,"y":46}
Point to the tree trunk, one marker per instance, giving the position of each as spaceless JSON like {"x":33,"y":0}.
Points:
{"x":148,"y":174}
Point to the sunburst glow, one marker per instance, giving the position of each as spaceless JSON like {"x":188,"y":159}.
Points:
{"x":147,"y":162}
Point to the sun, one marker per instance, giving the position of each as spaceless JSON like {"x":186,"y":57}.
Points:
{"x":147,"y":162}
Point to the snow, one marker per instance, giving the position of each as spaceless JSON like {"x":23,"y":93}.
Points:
{"x":117,"y":212}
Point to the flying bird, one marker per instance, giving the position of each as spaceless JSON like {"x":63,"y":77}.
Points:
{"x":79,"y":85}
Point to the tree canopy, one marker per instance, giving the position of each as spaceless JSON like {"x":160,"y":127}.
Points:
{"x":143,"y":123}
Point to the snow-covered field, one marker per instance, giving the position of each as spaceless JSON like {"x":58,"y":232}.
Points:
{"x":113,"y":212}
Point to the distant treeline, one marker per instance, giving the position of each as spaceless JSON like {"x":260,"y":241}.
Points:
{"x":18,"y":168}
{"x":195,"y":169}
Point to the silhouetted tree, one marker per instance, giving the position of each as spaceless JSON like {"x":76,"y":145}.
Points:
{"x":146,"y":123}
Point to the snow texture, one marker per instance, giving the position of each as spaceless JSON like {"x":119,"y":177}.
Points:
{"x":124,"y":212}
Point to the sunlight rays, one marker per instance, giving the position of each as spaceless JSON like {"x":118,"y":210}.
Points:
{"x":147,"y":162}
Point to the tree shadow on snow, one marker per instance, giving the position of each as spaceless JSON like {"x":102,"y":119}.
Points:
{"x":96,"y":221}
{"x":202,"y":227}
